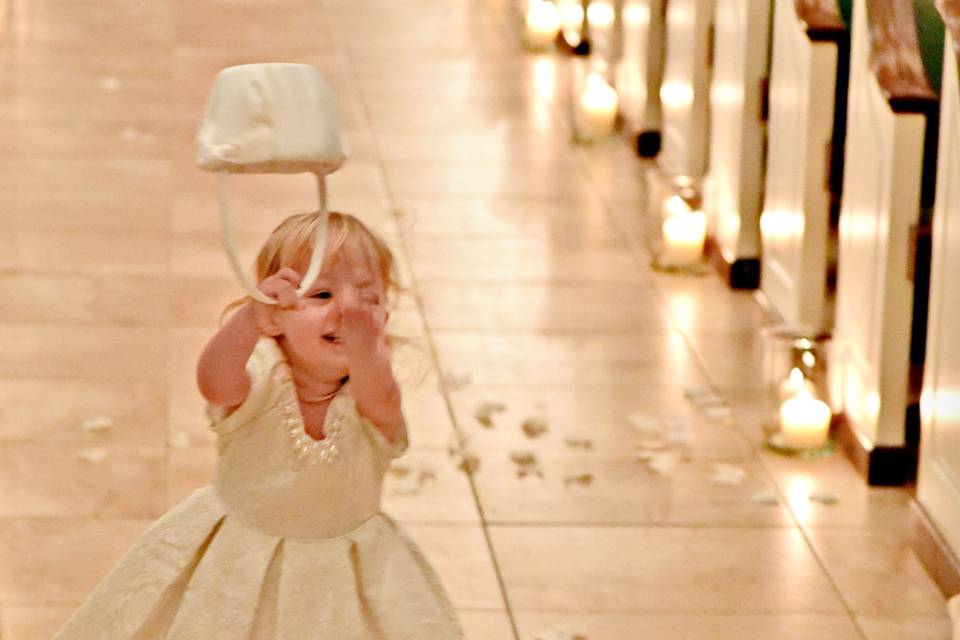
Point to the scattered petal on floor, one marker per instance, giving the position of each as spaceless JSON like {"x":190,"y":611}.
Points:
{"x":130,"y":134}
{"x":584,"y":479}
{"x":109,"y":84}
{"x":575,"y":443}
{"x":731,"y":469}
{"x":727,"y":474}
{"x":703,"y":397}
{"x":453,"y":381}
{"x":523,"y":458}
{"x":399,"y":470}
{"x":824,"y":497}
{"x":99,"y":423}
{"x":93,"y":456}
{"x":655,"y":443}
{"x":523,"y":472}
{"x":644,"y":423}
{"x":718,"y":412}
{"x":720,"y":478}
{"x":458,"y":442}
{"x":526,"y":464}
{"x":469,"y":464}
{"x":677,"y":430}
{"x":534,"y":427}
{"x":179,"y":440}
{"x":407,"y":484}
{"x":484,"y":412}
{"x":765,"y":497}
{"x":559,"y":635}
{"x":662,"y":463}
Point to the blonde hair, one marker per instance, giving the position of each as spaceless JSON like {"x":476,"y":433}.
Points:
{"x":291,"y":244}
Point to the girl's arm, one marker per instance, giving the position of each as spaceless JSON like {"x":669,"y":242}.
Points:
{"x":221,"y":370}
{"x":371,"y":376}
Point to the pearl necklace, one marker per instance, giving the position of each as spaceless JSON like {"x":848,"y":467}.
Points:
{"x":308,"y":450}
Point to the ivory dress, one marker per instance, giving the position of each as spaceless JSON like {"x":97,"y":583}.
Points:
{"x":288,"y":544}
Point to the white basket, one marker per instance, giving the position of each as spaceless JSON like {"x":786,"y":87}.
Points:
{"x":270,"y":118}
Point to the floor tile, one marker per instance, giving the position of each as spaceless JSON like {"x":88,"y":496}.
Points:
{"x":914,"y":627}
{"x":88,"y":411}
{"x":60,"y":560}
{"x":425,"y":486}
{"x":460,"y":557}
{"x":857,"y":504}
{"x":191,"y":467}
{"x":559,"y":307}
{"x":66,"y":194}
{"x":621,"y":569}
{"x":694,"y":626}
{"x":581,"y":488}
{"x":475,"y":178}
{"x":523,"y":262}
{"x":32,"y":622}
{"x":877,"y":572}
{"x":56,"y":479}
{"x":486,"y":625}
{"x":103,"y":253}
{"x":82,"y":299}
{"x":95,"y":352}
{"x":515,"y":218}
{"x":562,"y":359}
{"x":595,"y":418}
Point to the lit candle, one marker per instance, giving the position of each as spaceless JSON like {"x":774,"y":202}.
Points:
{"x":600,"y":15}
{"x":804,"y":422}
{"x":571,"y":19}
{"x":675,"y":206}
{"x":597,"y":112}
{"x":543,"y":23}
{"x":683,"y":236}
{"x":796,"y":384}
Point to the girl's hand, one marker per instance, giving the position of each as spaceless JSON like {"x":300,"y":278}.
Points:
{"x":361,"y":325}
{"x":282,"y":287}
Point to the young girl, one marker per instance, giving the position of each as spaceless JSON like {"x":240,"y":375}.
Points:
{"x":289,"y":543}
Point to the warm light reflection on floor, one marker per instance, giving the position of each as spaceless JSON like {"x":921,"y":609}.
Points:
{"x":798,"y":489}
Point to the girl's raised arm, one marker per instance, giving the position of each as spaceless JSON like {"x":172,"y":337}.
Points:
{"x":221,"y":370}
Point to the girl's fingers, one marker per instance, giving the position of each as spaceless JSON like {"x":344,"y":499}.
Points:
{"x":290,"y":275}
{"x":282,"y":287}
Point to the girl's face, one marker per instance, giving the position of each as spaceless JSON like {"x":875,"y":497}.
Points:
{"x":311,"y":333}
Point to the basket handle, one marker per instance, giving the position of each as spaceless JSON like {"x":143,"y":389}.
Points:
{"x":226,"y":230}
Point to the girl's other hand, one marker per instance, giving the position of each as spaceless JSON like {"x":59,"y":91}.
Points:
{"x":362,"y":324}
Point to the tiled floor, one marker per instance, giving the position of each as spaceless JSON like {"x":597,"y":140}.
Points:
{"x":528,"y":286}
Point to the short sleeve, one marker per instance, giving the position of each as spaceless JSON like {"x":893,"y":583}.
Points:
{"x":390,"y":449}
{"x":260,"y":367}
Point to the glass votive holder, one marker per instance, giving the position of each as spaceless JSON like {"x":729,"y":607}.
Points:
{"x":796,"y":415}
